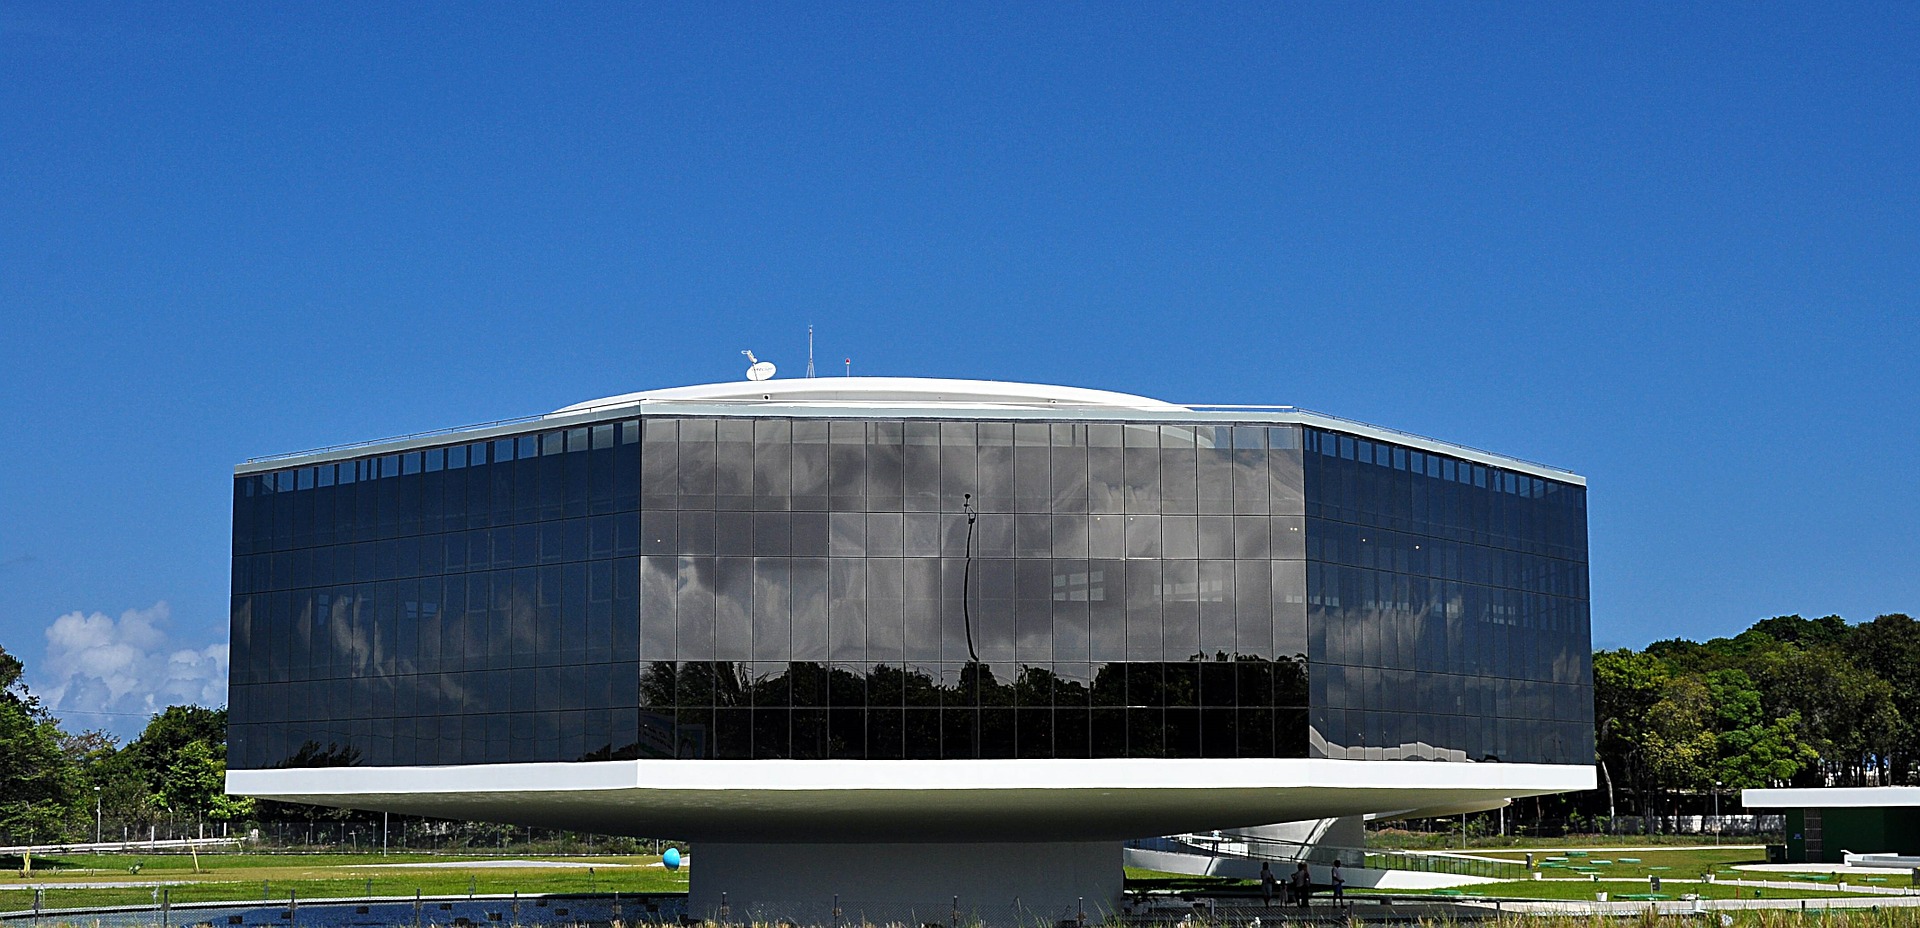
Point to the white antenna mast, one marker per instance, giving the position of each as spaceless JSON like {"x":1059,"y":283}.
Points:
{"x":809,"y":352}
{"x":849,"y":367}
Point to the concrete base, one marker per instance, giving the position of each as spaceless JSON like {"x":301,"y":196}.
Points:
{"x":911,"y":884}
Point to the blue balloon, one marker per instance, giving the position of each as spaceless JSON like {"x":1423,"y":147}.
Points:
{"x":671,"y":858}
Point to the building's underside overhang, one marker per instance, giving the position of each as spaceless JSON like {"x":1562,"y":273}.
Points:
{"x":932,"y":800}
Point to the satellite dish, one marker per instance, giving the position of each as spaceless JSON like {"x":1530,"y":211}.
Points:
{"x":758,"y":369}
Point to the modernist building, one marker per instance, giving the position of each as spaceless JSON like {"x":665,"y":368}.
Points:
{"x":840,"y":632}
{"x":1872,"y":826}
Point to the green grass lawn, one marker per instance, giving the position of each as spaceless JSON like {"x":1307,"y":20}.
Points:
{"x":1583,"y":890}
{"x":1393,"y":839}
{"x":1681,"y":863}
{"x":1150,"y":880}
{"x":235,"y":877}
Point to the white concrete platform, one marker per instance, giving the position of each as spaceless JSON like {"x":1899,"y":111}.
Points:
{"x":1014,"y":839}
{"x":853,"y":801}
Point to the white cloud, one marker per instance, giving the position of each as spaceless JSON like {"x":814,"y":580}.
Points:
{"x":112,"y":673}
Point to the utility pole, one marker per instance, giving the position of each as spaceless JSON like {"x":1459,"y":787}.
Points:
{"x":1716,"y":813}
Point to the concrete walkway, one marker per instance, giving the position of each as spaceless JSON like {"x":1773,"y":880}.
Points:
{"x":1840,"y":887}
{"x":1686,"y":907}
{"x":1481,"y":853}
{"x":115,"y":847}
{"x":117,"y":884}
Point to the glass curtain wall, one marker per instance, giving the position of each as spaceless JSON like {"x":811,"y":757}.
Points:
{"x":804,"y":588}
{"x":1448,"y":608}
{"x":736,"y":587}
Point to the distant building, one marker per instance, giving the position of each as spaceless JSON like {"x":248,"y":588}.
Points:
{"x":1825,"y":824}
{"x":903,"y":639}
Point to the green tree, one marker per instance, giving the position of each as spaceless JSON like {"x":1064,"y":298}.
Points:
{"x":170,"y":731}
{"x":177,"y":765}
{"x":125,"y":795}
{"x":1890,"y":646}
{"x":1764,"y":754}
{"x":1626,"y":686}
{"x":1752,"y":749}
{"x":194,"y":780}
{"x":1826,"y":631}
{"x":1848,"y":714}
{"x":40,"y":786}
{"x":1679,"y":740}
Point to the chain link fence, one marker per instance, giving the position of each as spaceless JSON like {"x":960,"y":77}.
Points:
{"x":393,"y":834}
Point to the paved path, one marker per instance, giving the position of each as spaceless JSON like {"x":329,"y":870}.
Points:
{"x":1483,"y":853}
{"x":111,"y":847}
{"x":118,"y":884}
{"x":1869,"y":889}
{"x":1683,"y":907}
{"x":1841,"y":869}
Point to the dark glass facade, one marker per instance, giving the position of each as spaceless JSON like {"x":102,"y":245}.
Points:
{"x":757,"y":587}
{"x":1447,"y":607}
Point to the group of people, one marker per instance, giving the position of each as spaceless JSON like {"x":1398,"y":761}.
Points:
{"x":1298,"y":886}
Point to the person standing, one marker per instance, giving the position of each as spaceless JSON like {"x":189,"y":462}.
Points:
{"x":1302,"y":885}
{"x":1267,"y":881}
{"x":1339,"y":883}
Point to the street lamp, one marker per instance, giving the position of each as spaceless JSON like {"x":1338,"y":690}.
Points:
{"x":96,"y":815}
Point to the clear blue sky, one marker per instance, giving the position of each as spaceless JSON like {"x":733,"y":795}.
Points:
{"x":1674,"y":247}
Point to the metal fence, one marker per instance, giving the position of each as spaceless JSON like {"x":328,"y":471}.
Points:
{"x":518,"y":909}
{"x":394,"y":834}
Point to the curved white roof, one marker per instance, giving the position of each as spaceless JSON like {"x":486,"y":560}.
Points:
{"x":906,"y":397}
{"x":872,"y":392}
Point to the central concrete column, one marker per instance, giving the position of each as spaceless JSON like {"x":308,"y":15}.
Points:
{"x":912,"y":884}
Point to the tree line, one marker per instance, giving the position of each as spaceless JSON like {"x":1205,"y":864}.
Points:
{"x":1789,"y":701}
{"x":55,"y":785}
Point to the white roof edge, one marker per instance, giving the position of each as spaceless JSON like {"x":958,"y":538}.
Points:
{"x":880,"y":392}
{"x":1831,"y":797}
{"x":887,"y":398}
